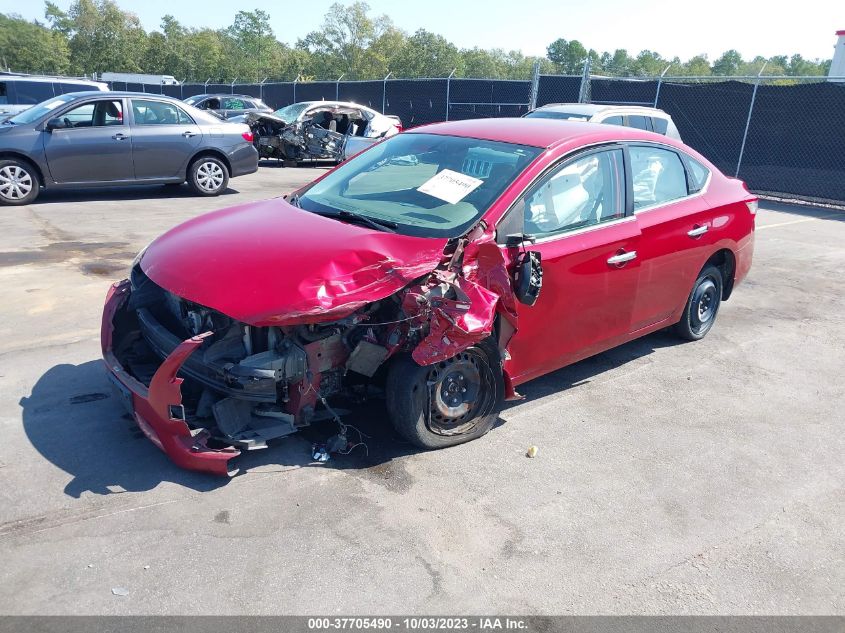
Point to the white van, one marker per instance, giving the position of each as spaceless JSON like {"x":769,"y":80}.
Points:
{"x":19,"y":92}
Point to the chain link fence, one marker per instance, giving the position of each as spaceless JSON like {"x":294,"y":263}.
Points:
{"x":782,"y":135}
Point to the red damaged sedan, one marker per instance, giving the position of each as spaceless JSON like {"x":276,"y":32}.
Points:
{"x":442,"y":268}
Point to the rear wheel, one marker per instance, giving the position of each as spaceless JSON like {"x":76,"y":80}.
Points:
{"x":702,"y":305}
{"x":208,"y":176}
{"x":448,"y":403}
{"x":18,"y":182}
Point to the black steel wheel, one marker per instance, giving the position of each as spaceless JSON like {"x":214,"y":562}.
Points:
{"x":450,"y":402}
{"x":702,"y":306}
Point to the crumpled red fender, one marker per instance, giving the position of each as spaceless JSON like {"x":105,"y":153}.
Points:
{"x":479,"y":276}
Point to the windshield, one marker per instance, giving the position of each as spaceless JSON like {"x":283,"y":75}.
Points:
{"x":37,"y":111}
{"x":290,"y":113}
{"x":427,"y":184}
{"x":551,"y":114}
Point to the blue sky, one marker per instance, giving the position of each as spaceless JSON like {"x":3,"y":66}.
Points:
{"x":670,"y":28}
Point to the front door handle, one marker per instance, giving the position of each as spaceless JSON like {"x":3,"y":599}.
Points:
{"x":698,"y":231}
{"x":188,"y":134}
{"x":120,"y":136}
{"x":622,"y":258}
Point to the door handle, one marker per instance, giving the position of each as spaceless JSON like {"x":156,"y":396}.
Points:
{"x":698,"y":231}
{"x":622,"y":258}
{"x":120,"y":136}
{"x":188,"y":134}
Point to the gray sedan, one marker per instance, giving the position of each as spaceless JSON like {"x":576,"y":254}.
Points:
{"x":95,"y":139}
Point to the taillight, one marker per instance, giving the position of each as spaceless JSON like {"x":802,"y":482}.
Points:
{"x":752,"y":207}
{"x":248,"y":136}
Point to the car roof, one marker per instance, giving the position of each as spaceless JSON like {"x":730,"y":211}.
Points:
{"x":54,"y":80}
{"x":221,"y":94}
{"x":544,"y":133}
{"x":589,"y":109}
{"x":118,"y":93}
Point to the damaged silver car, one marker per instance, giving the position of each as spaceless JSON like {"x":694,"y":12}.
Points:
{"x":318,"y":130}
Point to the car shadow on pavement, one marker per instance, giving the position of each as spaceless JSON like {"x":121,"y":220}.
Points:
{"x":72,"y":418}
{"x":74,"y":421}
{"x":141,"y":192}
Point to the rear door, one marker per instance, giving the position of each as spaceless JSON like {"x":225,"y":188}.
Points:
{"x":164,"y":138}
{"x":677,"y":227}
{"x":95,"y":144}
{"x":588,"y":242}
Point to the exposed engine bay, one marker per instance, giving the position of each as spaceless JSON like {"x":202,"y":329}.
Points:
{"x":246,"y":385}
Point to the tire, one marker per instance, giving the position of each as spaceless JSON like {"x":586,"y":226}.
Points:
{"x":208,"y":176}
{"x":418,"y":397}
{"x":19,"y":182}
{"x":702,"y":305}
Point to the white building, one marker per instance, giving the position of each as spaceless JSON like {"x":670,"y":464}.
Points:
{"x":837,"y":66}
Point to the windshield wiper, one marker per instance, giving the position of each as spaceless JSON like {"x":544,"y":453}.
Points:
{"x":351,"y":216}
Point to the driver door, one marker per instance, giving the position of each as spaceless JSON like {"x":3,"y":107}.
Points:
{"x":587,"y":237}
{"x":94,"y":146}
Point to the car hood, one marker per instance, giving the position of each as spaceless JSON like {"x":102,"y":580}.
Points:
{"x":270,"y":263}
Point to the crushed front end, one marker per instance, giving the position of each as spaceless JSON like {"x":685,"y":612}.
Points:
{"x":204,"y":387}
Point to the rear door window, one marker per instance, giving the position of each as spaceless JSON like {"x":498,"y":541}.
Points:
{"x":660,"y":125}
{"x":639,"y":122}
{"x":233,"y":103}
{"x":32,"y":92}
{"x":158,"y":113}
{"x":658,"y":176}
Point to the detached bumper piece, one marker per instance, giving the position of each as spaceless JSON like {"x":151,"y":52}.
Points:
{"x":157,"y":407}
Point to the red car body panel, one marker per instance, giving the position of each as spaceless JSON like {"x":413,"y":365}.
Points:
{"x":272,"y":264}
{"x":229,"y":260}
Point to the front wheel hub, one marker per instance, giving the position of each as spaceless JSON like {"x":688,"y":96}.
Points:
{"x":460,"y":389}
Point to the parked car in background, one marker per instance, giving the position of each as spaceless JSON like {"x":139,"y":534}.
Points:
{"x":333,"y":130}
{"x":445,"y":265}
{"x":119,"y":138}
{"x":228,"y":106}
{"x":642,"y":118}
{"x":19,"y":92}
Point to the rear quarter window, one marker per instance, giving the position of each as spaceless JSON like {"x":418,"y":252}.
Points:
{"x":614,"y":120}
{"x":697,"y":175}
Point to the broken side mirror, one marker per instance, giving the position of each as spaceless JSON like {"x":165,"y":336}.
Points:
{"x":528,"y":277}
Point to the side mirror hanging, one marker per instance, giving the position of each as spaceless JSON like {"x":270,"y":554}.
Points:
{"x":528,"y":277}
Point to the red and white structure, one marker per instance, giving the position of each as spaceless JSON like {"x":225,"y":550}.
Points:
{"x":837,"y":66}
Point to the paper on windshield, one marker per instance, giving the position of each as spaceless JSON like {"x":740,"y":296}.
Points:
{"x":451,"y":186}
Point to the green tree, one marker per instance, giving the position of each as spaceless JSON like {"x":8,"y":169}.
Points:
{"x":728,"y":64}
{"x":567,"y":56}
{"x":696,"y":66}
{"x":340,"y":46}
{"x":30,"y":47}
{"x":427,"y":54}
{"x":252,"y":45}
{"x":102,"y":37}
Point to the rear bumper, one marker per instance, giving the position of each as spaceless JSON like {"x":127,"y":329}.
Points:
{"x":744,"y":255}
{"x":244,"y":160}
{"x":157,"y":409}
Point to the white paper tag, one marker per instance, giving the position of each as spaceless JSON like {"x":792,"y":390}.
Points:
{"x":53,"y":104}
{"x":451,"y":186}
